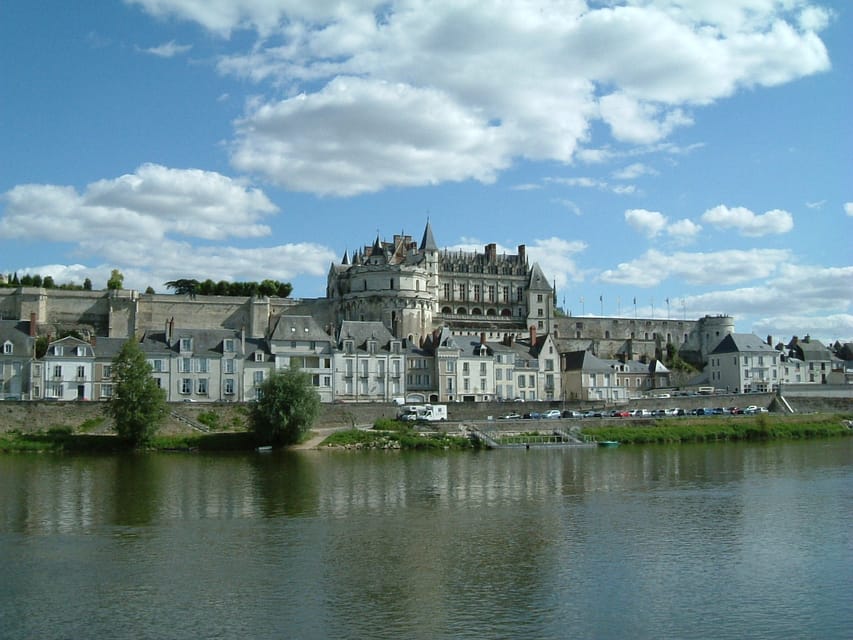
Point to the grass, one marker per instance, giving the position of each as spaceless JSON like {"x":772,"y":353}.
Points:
{"x":393,"y":434}
{"x":747,"y":428}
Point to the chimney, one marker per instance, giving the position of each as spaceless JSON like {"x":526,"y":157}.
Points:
{"x":522,"y":257}
{"x":33,"y":325}
{"x":532,"y":335}
{"x":482,"y":337}
{"x":243,"y":340}
{"x":491,"y":252}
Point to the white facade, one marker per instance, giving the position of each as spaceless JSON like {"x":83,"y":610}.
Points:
{"x":743,"y":363}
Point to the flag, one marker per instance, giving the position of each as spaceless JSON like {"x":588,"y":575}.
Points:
{"x":635,"y":301}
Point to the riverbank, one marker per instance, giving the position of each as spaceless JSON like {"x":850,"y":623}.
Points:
{"x":390,"y":435}
{"x":741,"y":428}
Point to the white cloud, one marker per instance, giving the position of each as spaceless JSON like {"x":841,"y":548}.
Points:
{"x":652,"y":223}
{"x":848,"y":208}
{"x":649,"y":223}
{"x":512,"y":80}
{"x":748,"y":223}
{"x":716,"y":268}
{"x":131,"y":222}
{"x":826,"y":292}
{"x":634,"y":171}
{"x":357,"y":136}
{"x":684,"y":230}
{"x":151,"y":203}
{"x":167,"y":50}
{"x":568,"y":204}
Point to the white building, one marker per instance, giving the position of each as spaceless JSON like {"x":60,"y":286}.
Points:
{"x":744,"y":363}
{"x":369,"y":363}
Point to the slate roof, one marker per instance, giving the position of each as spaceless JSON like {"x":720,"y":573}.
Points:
{"x":742,"y":343}
{"x":18,"y":333}
{"x":108,"y":348}
{"x":298,"y":328}
{"x":362,"y":331}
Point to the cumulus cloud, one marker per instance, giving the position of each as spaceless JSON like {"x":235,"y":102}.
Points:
{"x":826,"y":292}
{"x":748,"y":223}
{"x":358,"y":136}
{"x":720,"y":267}
{"x":649,"y":223}
{"x":132,"y":223}
{"x":150,"y":203}
{"x":514,"y":80}
{"x":167,"y":50}
{"x":848,"y":208}
{"x":652,"y":223}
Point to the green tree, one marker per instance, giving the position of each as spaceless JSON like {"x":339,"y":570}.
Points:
{"x":138,"y":405}
{"x":183,"y":286}
{"x":149,"y":290}
{"x":116,"y":280}
{"x":286,"y":409}
{"x":48,"y":282}
{"x":87,"y":285}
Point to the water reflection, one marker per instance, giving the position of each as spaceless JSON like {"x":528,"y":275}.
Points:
{"x":700,"y":540}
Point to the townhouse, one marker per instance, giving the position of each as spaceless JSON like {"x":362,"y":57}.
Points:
{"x":17,"y":353}
{"x":744,"y":363}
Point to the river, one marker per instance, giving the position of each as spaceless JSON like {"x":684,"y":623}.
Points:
{"x":690,"y":541}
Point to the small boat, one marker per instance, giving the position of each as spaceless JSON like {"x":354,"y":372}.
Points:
{"x":608,"y":443}
{"x":266,"y":449}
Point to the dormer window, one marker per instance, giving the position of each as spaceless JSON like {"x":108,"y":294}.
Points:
{"x":349,"y":347}
{"x":81,"y":351}
{"x":228,"y":345}
{"x":7,"y":348}
{"x":259,"y":356}
{"x":186,"y":344}
{"x":57,"y":350}
{"x":371,"y":346}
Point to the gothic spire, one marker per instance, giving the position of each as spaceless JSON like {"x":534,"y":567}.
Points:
{"x":428,"y":242}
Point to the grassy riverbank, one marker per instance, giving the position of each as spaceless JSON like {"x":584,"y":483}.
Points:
{"x":392,"y":434}
{"x":745,"y":428}
{"x":61,"y":440}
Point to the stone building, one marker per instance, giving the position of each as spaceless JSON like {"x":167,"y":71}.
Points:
{"x":414,"y":288}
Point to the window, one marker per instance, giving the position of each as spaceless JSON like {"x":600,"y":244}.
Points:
{"x":499,"y":374}
{"x":365,"y":364}
{"x":81,"y":372}
{"x":7,"y":348}
{"x":519,"y":294}
{"x":476,"y":293}
{"x":108,"y":371}
{"x":229,"y":386}
{"x":447,"y":291}
{"x":228,"y":366}
{"x":521,"y":382}
{"x":57,"y":371}
{"x":186,"y":344}
{"x":186,"y":386}
{"x":259,"y":356}
{"x":157,"y":365}
{"x":491,"y":293}
{"x":381,"y":370}
{"x":482,"y":384}
{"x":106,"y":391}
{"x":450,"y":366}
{"x":505,"y":294}
{"x":258,"y":377}
{"x":57,"y":350}
{"x":201,"y":365}
{"x":464,"y":368}
{"x":201,"y":386}
{"x":185,"y":365}
{"x":228,"y":345}
{"x":531,"y":381}
{"x":538,"y":297}
{"x":482,"y":368}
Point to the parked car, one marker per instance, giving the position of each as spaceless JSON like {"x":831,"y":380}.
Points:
{"x":552,"y":414}
{"x":511,"y":416}
{"x":571,"y":413}
{"x":533,"y":415}
{"x":620,"y":413}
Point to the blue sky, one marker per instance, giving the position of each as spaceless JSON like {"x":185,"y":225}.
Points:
{"x":652,"y":150}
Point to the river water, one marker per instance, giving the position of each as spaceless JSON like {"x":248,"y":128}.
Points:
{"x":691,"y":541}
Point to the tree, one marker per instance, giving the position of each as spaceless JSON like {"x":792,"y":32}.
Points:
{"x":48,"y":282}
{"x":116,"y":280}
{"x":138,"y":405}
{"x":87,"y":285}
{"x":149,"y":290}
{"x":183,"y":286}
{"x":286,"y":409}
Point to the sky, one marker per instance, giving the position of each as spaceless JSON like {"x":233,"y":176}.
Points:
{"x":658,"y":158}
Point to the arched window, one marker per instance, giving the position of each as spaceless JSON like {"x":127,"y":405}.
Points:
{"x":506,"y":313}
{"x":446,"y":310}
{"x":462,"y":311}
{"x":476,"y":312}
{"x":491,"y":312}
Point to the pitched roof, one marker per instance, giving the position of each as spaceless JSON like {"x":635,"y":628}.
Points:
{"x":538,"y":281}
{"x":742,"y":343}
{"x":428,"y":241}
{"x":298,"y":328}
{"x":362,"y":331}
{"x":18,"y":334}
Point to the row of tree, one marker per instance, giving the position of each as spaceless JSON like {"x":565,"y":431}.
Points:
{"x":47,"y":282}
{"x":182,"y":286}
{"x":192,"y":287}
{"x":287,"y":408}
